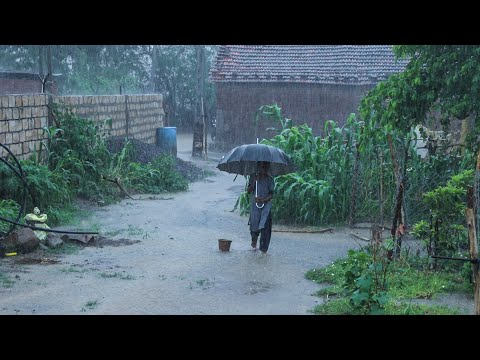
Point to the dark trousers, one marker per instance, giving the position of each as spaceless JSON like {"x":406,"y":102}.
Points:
{"x":265,"y":234}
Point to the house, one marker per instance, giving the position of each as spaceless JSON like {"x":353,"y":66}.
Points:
{"x":25,"y":83}
{"x":310,"y":83}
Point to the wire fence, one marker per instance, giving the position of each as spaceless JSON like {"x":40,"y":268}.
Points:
{"x":423,"y":216}
{"x":476,"y":195}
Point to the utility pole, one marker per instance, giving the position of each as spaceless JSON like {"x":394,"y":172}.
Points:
{"x":49,"y":85}
{"x":152,"y":70}
{"x":198,"y":122}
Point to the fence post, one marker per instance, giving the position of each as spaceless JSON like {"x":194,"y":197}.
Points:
{"x":472,"y":199}
{"x":353,"y":199}
{"x":127,"y":117}
{"x":472,"y":237}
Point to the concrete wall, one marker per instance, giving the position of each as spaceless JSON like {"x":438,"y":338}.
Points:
{"x":22,"y":117}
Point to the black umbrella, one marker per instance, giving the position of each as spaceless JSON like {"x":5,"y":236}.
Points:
{"x":243,"y":160}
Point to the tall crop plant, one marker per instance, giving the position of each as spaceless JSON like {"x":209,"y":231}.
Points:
{"x":319,"y":193}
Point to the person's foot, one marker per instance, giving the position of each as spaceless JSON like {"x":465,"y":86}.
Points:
{"x":254,"y":244}
{"x":264,"y":252}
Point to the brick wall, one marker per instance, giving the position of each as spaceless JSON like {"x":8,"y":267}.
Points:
{"x":135,"y":116}
{"x":22,"y":117}
{"x":311,"y":104}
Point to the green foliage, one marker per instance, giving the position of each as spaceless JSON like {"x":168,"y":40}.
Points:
{"x":444,"y":232}
{"x":354,"y":160}
{"x":341,"y":306}
{"x":50,"y":188}
{"x":94,"y":169}
{"x":356,"y":290}
{"x":175,"y":76}
{"x":6,"y":281}
{"x":360,"y":278}
{"x":273,"y":113}
{"x":8,"y":209}
{"x":319,"y":193}
{"x":442,"y":79}
{"x":420,"y":309}
{"x":77,"y":163}
{"x":121,"y":69}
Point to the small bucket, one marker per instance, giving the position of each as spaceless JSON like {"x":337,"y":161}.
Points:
{"x":224,"y":244}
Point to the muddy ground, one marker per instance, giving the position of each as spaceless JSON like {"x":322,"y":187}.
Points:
{"x":160,"y":255}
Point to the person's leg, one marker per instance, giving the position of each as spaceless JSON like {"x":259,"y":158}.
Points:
{"x":266,"y":234}
{"x":254,"y":239}
{"x":254,"y":222}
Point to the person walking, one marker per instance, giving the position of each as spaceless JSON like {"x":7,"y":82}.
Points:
{"x":261,"y":186}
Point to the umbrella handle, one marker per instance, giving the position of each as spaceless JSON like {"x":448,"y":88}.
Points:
{"x":256,"y":195}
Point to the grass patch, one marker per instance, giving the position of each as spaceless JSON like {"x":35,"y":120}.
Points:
{"x":203,"y":283}
{"x":90,"y":305}
{"x":405,"y":308}
{"x":417,"y":284}
{"x":333,"y":307}
{"x":329,"y":291}
{"x":404,"y":282}
{"x":341,"y":306}
{"x":131,"y":231}
{"x":117,"y":275}
{"x":6,"y":281}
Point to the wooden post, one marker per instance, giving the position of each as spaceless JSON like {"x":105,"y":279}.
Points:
{"x":376,"y":239}
{"x":198,"y":126}
{"x":153,"y":69}
{"x":354,"y":186}
{"x":472,"y":237}
{"x":127,"y":117}
{"x":381,"y":186}
{"x":48,"y":88}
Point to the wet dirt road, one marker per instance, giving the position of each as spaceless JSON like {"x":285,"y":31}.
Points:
{"x":176,"y":267}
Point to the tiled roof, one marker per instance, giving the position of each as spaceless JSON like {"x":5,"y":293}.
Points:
{"x":322,"y":64}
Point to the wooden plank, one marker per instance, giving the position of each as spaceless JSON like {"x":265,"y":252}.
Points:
{"x":302,"y":231}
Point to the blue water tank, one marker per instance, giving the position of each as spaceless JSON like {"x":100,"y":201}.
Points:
{"x":167,"y":139}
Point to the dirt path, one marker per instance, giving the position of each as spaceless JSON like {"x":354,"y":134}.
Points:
{"x":176,"y":266}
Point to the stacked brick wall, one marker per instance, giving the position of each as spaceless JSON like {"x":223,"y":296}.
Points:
{"x":22,"y":117}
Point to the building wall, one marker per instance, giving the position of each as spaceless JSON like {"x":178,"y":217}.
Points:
{"x":22,"y":117}
{"x":19,"y":83}
{"x":310,"y":104}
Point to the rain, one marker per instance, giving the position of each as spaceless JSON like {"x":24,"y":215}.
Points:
{"x":135,"y":161}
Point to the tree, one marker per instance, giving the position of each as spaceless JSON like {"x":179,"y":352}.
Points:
{"x":440,"y":83}
{"x":439,"y":79}
{"x":84,"y":69}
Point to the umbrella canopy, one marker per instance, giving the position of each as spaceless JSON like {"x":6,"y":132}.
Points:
{"x":243,"y":160}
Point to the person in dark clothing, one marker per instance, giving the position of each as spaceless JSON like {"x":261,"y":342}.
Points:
{"x":261,"y":185}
